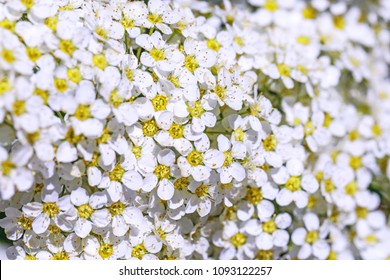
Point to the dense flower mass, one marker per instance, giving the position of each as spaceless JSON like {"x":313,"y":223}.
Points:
{"x":189,"y":129}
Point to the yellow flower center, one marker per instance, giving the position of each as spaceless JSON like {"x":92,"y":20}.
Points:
{"x":100,"y":31}
{"x":117,"y":173}
{"x":312,"y":236}
{"x":353,"y":135}
{"x":176,"y":131}
{"x":7,"y":24}
{"x":60,"y":256}
{"x":60,"y":84}
{"x":157,"y":54}
{"x":238,"y":240}
{"x":351,"y":188}
{"x":181,"y":183}
{"x":83,"y":112}
{"x":202,"y":191}
{"x":309,"y":13}
{"x":106,"y":250}
{"x":150,"y":128}
{"x":271,"y":5}
{"x":191,"y":63}
{"x":213,"y":44}
{"x":115,"y":99}
{"x":67,"y":47}
{"x":228,"y":158}
{"x":303,"y":40}
{"x":239,"y":134}
{"x":308,"y":128}
{"x":30,"y":258}
{"x":270,"y":143}
{"x":293,"y":184}
{"x":269,"y":226}
{"x":51,"y":22}
{"x":4,"y":86}
{"x":264,"y":255}
{"x":100,"y":61}
{"x":155,"y":19}
{"x":196,"y":110}
{"x":44,"y":94}
{"x":361,"y":212}
{"x":254,"y":195}
{"x":195,"y":158}
{"x":284,"y":69}
{"x":376,"y":130}
{"x":220,"y":92}
{"x":139,"y":251}
{"x":116,"y":208}
{"x":33,"y":53}
{"x":51,"y":209}
{"x":162,"y":171}
{"x":85,"y":211}
{"x":329,"y":187}
{"x":19,"y":107}
{"x":159,"y":102}
{"x":355,"y":162}
{"x":339,"y":22}
{"x":74,"y":75}
{"x":128,"y":23}
{"x":137,"y":151}
{"x":25,"y":223}
{"x":8,"y":56}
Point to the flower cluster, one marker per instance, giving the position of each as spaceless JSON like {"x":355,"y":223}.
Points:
{"x":191,"y":129}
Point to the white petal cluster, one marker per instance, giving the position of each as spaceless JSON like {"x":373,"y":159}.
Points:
{"x":189,"y":129}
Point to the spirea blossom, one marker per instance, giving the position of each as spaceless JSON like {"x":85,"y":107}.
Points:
{"x":187,"y":129}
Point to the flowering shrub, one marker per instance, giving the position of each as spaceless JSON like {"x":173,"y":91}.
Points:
{"x":195,"y":129}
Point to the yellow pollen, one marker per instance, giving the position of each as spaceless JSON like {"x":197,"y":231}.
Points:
{"x":239,"y":134}
{"x":60,"y":256}
{"x":100,"y":61}
{"x":27,"y":3}
{"x":303,"y":40}
{"x":197,"y":110}
{"x":67,"y":47}
{"x":293,"y":184}
{"x":106,"y":250}
{"x":284,"y":69}
{"x":371,"y":239}
{"x":220,"y":92}
{"x":51,"y":209}
{"x":230,"y":19}
{"x":60,"y":84}
{"x":116,"y":208}
{"x":202,"y":191}
{"x":312,"y":236}
{"x":239,"y":41}
{"x":355,"y":162}
{"x":332,"y":256}
{"x":4,"y":86}
{"x":176,"y":131}
{"x":181,"y":183}
{"x":83,"y":112}
{"x":228,"y":158}
{"x":8,"y":55}
{"x":54,"y":229}
{"x":238,"y":240}
{"x":129,"y":74}
{"x":74,"y":75}
{"x":308,"y":128}
{"x":150,"y":128}
{"x":162,"y":171}
{"x":339,"y":22}
{"x":228,"y":186}
{"x":311,"y":201}
{"x":195,"y":158}
{"x":361,"y":212}
{"x":155,"y":19}
{"x":115,"y":99}
{"x":191,"y":63}
{"x":117,"y":173}
{"x":85,"y":211}
{"x":320,"y":176}
{"x":30,"y":258}
{"x":139,"y":251}
{"x":71,"y":137}
{"x":174,"y":80}
{"x":269,"y":226}
{"x":19,"y":107}
{"x":264,"y":255}
{"x":100,"y":31}
{"x":270,"y":143}
{"x":329,"y":187}
{"x":128,"y":23}
{"x":137,"y":151}
{"x":25,"y":223}
{"x":309,"y":13}
{"x":351,"y":188}
{"x":353,"y":135}
{"x":157,"y":54}
{"x":161,"y":233}
{"x":376,"y":130}
{"x":33,"y":53}
{"x":7,"y":24}
{"x":159,"y":102}
{"x":51,"y":22}
{"x":213,"y":44}
{"x":271,"y":5}
{"x":254,"y":195}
